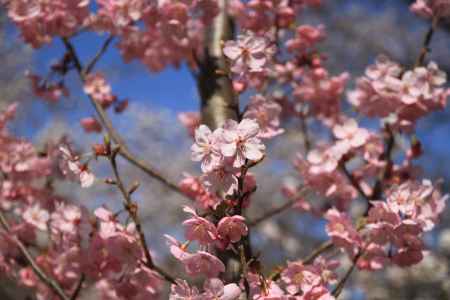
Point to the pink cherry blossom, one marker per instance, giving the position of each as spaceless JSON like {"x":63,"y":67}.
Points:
{"x":342,"y":231}
{"x":91,"y":125}
{"x":250,"y":53}
{"x":215,"y":289}
{"x":203,"y":263}
{"x":299,"y":277}
{"x":97,"y":87}
{"x":267,"y":114}
{"x":182,"y":291}
{"x":350,"y":133}
{"x":190,"y":120}
{"x":37,"y":216}
{"x":221,"y":179}
{"x":430,"y":8}
{"x":206,"y":148}
{"x":306,"y":37}
{"x":232,"y":228}
{"x":199,"y":229}
{"x":327,"y":160}
{"x":85,"y":176}
{"x":240,"y":142}
{"x":194,"y":189}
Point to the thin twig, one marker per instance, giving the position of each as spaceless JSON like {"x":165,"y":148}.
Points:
{"x":386,"y":174}
{"x":277,"y":210}
{"x":340,"y":286}
{"x":106,"y":122}
{"x":271,"y":213}
{"x":244,"y":269}
{"x":427,"y":42}
{"x":354,"y":182}
{"x":131,"y":208}
{"x":77,"y":290}
{"x":50,"y":282}
{"x":90,"y":66}
{"x":328,"y":245}
{"x":305,"y":133}
{"x":324,"y":247}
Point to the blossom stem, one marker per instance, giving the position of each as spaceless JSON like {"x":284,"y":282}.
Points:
{"x":105,"y":120}
{"x":131,"y":208}
{"x":50,"y":282}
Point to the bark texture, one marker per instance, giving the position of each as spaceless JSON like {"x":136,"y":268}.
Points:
{"x":218,"y":101}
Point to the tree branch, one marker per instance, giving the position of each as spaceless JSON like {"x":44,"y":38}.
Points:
{"x":106,"y":122}
{"x":324,"y":247}
{"x":218,"y":102}
{"x":77,"y":290}
{"x":340,"y":286}
{"x":99,"y":54}
{"x":277,"y":210}
{"x":50,"y":282}
{"x":427,"y":42}
{"x":132,"y":210}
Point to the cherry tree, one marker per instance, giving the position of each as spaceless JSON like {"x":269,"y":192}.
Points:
{"x":258,"y":69}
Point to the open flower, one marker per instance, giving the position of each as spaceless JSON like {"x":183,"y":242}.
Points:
{"x":205,"y":148}
{"x":240,"y":142}
{"x":249,"y":53}
{"x":36,"y":216}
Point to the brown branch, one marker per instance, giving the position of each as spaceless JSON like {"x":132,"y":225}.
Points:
{"x":132,"y":210}
{"x":427,"y":42}
{"x":90,"y":66}
{"x":324,"y":247}
{"x":218,"y":101}
{"x":50,"y":282}
{"x":386,"y":174}
{"x":77,"y":290}
{"x":317,"y":252}
{"x":340,"y":286}
{"x":304,"y":129}
{"x":106,"y":122}
{"x":354,"y":182}
{"x":277,"y":210}
{"x":271,"y":213}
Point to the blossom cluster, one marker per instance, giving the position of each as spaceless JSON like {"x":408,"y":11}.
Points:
{"x":393,"y":229}
{"x":40,"y":21}
{"x":278,"y":64}
{"x":401,"y":96}
{"x":224,"y":151}
{"x":75,"y":242}
{"x":431,"y":8}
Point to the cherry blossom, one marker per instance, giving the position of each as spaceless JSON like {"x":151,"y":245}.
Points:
{"x":250,"y":53}
{"x":240,"y":142}
{"x":366,"y":185}
{"x":199,"y":229}
{"x":37,"y":216}
{"x":350,"y":133}
{"x":97,"y":87}
{"x":430,"y":8}
{"x":206,"y":148}
{"x":85,"y":176}
{"x":232,"y":228}
{"x":267,"y":114}
{"x":91,"y":125}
